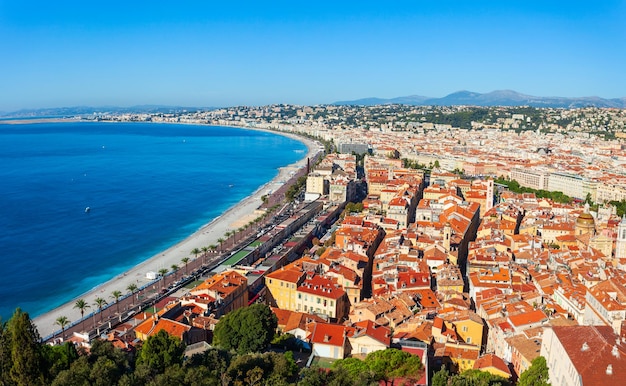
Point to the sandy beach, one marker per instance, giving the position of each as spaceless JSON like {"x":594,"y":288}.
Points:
{"x":230,"y":220}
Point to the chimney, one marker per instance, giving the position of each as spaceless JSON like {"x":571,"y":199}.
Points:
{"x":609,"y":369}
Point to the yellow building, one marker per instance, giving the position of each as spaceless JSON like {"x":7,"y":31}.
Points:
{"x":493,"y":365}
{"x":461,"y":356}
{"x":449,"y":278}
{"x":459,"y":326}
{"x":282,"y":287}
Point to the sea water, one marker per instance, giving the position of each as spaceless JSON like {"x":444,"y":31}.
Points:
{"x":81,"y":203}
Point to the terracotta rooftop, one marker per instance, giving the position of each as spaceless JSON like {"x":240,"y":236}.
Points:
{"x":491,"y":361}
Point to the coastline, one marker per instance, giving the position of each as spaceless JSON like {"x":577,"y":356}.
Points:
{"x":208,"y":234}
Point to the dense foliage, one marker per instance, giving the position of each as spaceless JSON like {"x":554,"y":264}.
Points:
{"x":620,"y":206}
{"x":160,"y":361}
{"x":382,"y":365}
{"x":295,"y":189}
{"x":514,"y":186}
{"x":468,"y":378}
{"x":536,"y":374}
{"x":245,"y":330}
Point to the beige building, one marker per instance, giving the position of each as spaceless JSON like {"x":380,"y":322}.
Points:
{"x":530,"y":178}
{"x":315,"y":183}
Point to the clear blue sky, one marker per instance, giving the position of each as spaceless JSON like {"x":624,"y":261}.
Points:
{"x":208,"y":53}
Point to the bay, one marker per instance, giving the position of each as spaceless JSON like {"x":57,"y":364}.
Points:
{"x":147,"y":187}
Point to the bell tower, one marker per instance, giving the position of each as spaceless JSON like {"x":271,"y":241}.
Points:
{"x":620,"y":244}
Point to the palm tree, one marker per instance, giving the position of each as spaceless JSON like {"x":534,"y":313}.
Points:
{"x":132,"y":287}
{"x":196,"y":252}
{"x":62,"y":321}
{"x":117,"y":295}
{"x":240,"y":232}
{"x":205,"y":251}
{"x":174,"y":270}
{"x":82,"y":305}
{"x":162,"y":272}
{"x":100,"y":303}
{"x":185,"y":260}
{"x":220,"y":241}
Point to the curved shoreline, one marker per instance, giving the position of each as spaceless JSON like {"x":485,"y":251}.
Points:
{"x":206,"y":235}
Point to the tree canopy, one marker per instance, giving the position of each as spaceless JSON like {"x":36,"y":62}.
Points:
{"x":384,"y":364}
{"x":246,"y":330}
{"x":536,"y":374}
{"x":468,"y":378}
{"x":160,"y":351}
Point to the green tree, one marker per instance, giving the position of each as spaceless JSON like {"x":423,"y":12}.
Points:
{"x":78,"y":374}
{"x":160,"y":351}
{"x":175,"y":270}
{"x":82,"y":305}
{"x":245,"y":330}
{"x":62,"y":321}
{"x":58,"y":358}
{"x":392,"y":363}
{"x":100,"y":303}
{"x":26,"y":353}
{"x":477,"y":378}
{"x":313,"y":376}
{"x":108,"y":363}
{"x":162,"y":273}
{"x":5,"y":354}
{"x":536,"y":374}
{"x":117,"y":295}
{"x":132,"y":287}
{"x":185,"y":260}
{"x":440,"y":378}
{"x":196,"y":252}
{"x":205,"y":252}
{"x":353,"y":366}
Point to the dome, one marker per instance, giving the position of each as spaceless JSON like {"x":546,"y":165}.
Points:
{"x":585,"y":219}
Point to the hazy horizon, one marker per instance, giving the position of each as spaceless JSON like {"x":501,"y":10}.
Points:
{"x":73,"y":53}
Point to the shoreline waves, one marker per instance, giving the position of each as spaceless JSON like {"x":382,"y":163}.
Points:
{"x":206,"y":235}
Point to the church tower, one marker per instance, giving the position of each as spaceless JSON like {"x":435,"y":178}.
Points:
{"x":447,"y":235}
{"x":489,"y":199}
{"x":620,"y":244}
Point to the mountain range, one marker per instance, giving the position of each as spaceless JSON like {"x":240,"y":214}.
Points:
{"x":494,"y":98}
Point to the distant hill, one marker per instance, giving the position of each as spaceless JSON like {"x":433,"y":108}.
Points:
{"x":494,"y":98}
{"x":88,"y":110}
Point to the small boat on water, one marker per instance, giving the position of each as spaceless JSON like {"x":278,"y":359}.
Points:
{"x":87,"y":209}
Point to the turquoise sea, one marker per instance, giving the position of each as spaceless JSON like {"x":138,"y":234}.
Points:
{"x":148,"y":186}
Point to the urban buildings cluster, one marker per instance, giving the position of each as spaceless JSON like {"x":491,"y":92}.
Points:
{"x":433,"y":262}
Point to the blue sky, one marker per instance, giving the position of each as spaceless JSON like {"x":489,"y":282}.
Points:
{"x":207,"y":53}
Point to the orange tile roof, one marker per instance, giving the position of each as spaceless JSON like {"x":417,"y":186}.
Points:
{"x":331,"y":334}
{"x":536,"y":316}
{"x":493,"y":361}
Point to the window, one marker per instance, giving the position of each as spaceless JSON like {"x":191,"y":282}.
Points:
{"x":464,"y":329}
{"x":469,"y":339}
{"x":319,"y":300}
{"x":281,"y":283}
{"x":331,"y":303}
{"x":270,"y":281}
{"x":299,"y":296}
